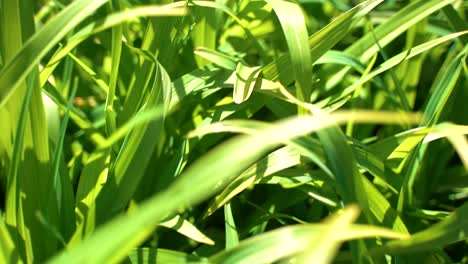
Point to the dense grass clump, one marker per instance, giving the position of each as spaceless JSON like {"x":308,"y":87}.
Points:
{"x":233,"y":131}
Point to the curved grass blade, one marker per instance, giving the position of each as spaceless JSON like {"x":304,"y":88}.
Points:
{"x":116,"y":50}
{"x":246,"y":79}
{"x":185,"y":228}
{"x":232,"y":236}
{"x":14,"y":208}
{"x":293,"y":23}
{"x":366,"y":47}
{"x":216,"y":57}
{"x":93,"y":176}
{"x":286,"y":158}
{"x":274,"y":162}
{"x":451,"y":230}
{"x":41,"y":42}
{"x":160,"y":255}
{"x":319,"y":43}
{"x":134,"y":156}
{"x":307,"y":238}
{"x":392,"y":62}
{"x":130,"y":230}
{"x":376,"y":167}
{"x":339,"y":57}
{"x":414,"y":188}
{"x":205,"y":30}
{"x":8,"y":250}
{"x":218,"y":5}
{"x":101,"y":25}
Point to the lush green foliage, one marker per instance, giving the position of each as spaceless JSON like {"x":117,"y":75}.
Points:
{"x":233,"y":131}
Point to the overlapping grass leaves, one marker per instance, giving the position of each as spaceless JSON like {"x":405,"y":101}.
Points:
{"x":129,"y":183}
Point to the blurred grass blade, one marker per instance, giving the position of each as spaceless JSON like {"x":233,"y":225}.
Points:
{"x":295,"y":31}
{"x":338,"y":117}
{"x":185,"y":228}
{"x":274,"y":162}
{"x":456,"y":135}
{"x":205,"y":31}
{"x":93,"y":176}
{"x":142,"y":118}
{"x":307,"y":238}
{"x":366,"y":47}
{"x":216,"y":57}
{"x":41,"y":42}
{"x":8,"y":250}
{"x":456,"y":22}
{"x":324,"y":250}
{"x":134,"y":156}
{"x":14,"y":208}
{"x":182,"y":108}
{"x":116,"y":51}
{"x":413,"y":194}
{"x":151,"y":255}
{"x":446,"y":232}
{"x":246,"y":78}
{"x":232,"y":236}
{"x":101,"y":25}
{"x":392,"y":62}
{"x":134,"y":228}
{"x":319,"y":43}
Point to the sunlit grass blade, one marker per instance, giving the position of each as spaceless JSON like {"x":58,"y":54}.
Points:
{"x":93,"y":176}
{"x":64,"y":196}
{"x":14,"y":208}
{"x":392,"y":62}
{"x":101,"y":25}
{"x":274,"y":162}
{"x":446,"y":232}
{"x":133,"y":158}
{"x":232,"y":235}
{"x":220,"y":131}
{"x":366,"y":47}
{"x":293,"y":23}
{"x":184,"y":227}
{"x":293,"y":240}
{"x":30,"y":54}
{"x":139,"y":224}
{"x":320,"y":42}
{"x":24,"y":145}
{"x":117,"y":34}
{"x":413,"y":194}
{"x":456,"y":22}
{"x":205,"y":31}
{"x":216,"y":57}
{"x":246,"y":78}
{"x":8,"y":251}
{"x":151,"y":255}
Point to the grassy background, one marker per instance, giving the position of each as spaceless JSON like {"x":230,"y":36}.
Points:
{"x":230,"y":131}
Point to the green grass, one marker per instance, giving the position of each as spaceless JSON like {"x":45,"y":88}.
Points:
{"x":228,"y":131}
